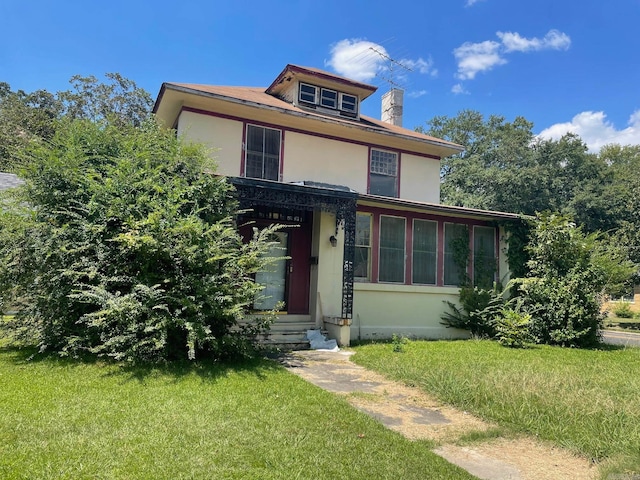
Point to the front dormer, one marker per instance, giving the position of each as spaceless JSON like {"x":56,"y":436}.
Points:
{"x":322,"y":92}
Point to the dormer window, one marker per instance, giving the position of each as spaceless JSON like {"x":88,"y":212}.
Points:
{"x":329,"y":98}
{"x":313,"y":96}
{"x":348,"y":103}
{"x":308,"y":93}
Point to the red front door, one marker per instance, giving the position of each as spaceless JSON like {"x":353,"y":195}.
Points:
{"x":286,"y":280}
{"x":299,"y":269}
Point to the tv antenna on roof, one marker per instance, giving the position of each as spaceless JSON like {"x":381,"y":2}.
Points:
{"x":393,"y":64}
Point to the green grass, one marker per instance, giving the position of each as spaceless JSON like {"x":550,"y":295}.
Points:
{"x":69,"y":420}
{"x":584,"y":400}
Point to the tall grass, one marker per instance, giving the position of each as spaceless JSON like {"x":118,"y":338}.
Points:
{"x":584,"y":400}
{"x":69,"y":420}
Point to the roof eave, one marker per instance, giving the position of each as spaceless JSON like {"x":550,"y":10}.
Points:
{"x":297,"y":69}
{"x":451,"y":148}
{"x":447,"y":209}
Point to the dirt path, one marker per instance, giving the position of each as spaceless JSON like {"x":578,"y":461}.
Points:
{"x":416,"y":415}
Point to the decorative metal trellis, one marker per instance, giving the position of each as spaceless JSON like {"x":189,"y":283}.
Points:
{"x":252,"y":193}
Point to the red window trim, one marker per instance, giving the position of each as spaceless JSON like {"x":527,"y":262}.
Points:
{"x":398,"y":167}
{"x":243,"y":153}
{"x":409,"y":217}
{"x":305,"y":132}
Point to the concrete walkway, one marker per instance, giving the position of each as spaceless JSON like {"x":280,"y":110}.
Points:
{"x":417,"y":416}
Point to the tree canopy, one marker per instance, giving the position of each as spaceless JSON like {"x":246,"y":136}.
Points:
{"x":27,"y":118}
{"x":505,"y":167}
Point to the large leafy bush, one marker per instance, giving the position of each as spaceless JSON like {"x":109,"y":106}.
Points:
{"x":570,"y":272}
{"x":559,"y":301}
{"x":120,"y":244}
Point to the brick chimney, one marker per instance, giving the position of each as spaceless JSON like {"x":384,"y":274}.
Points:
{"x":392,"y":106}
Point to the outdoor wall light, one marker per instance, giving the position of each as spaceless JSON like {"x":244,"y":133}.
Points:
{"x":333,"y":240}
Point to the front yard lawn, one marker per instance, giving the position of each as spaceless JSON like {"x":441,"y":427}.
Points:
{"x":69,"y":420}
{"x":584,"y":400}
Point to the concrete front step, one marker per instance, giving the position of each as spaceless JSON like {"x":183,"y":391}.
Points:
{"x":286,"y":318}
{"x":288,"y":339}
{"x":292,"y":326}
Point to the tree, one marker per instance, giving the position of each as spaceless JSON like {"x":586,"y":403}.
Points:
{"x":26,"y":118}
{"x":120,"y":245}
{"x":493,"y":172}
{"x":570,"y":273}
{"x":505,"y":167}
{"x":118,"y":99}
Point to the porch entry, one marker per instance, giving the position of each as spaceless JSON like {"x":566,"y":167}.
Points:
{"x":287,"y":279}
{"x":296,"y":204}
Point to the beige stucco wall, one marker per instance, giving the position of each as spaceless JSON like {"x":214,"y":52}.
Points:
{"x":325,"y":160}
{"x":308,"y":157}
{"x":380,"y":310}
{"x":221,"y":135}
{"x":419,"y":178}
{"x":326,"y":281}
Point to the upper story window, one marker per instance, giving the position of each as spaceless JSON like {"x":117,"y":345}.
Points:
{"x":262,"y":153}
{"x":308,"y":93}
{"x":312,"y":95}
{"x":329,"y":98}
{"x":348,"y":103}
{"x":383,"y":173}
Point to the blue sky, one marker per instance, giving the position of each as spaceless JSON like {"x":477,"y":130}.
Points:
{"x":564,"y":65}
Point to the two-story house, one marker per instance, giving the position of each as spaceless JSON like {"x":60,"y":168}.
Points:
{"x":371,"y":250}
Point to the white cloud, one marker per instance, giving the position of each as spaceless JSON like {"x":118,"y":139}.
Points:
{"x":420,"y":65}
{"x":596,"y":131}
{"x":553,"y":40}
{"x":362,"y":60}
{"x":471,"y":2}
{"x":356,"y":59}
{"x":417,"y":93}
{"x":459,"y":89}
{"x":474,"y":58}
{"x":477,"y":57}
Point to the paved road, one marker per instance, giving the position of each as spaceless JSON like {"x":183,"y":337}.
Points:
{"x":621,"y":338}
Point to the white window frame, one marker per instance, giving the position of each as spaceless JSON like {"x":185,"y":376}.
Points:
{"x":343,"y":103}
{"x":334,"y":100}
{"x":315,"y":93}
{"x":396,"y":157}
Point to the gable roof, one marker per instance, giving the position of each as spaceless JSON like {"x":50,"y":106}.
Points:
{"x":310,"y":74}
{"x":259,"y":98}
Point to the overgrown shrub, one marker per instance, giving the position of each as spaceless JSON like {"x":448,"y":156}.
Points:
{"x":569,"y":274}
{"x":623,"y":310}
{"x":513,"y":327}
{"x":477,"y":311}
{"x":398,"y":343}
{"x":119,"y":244}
